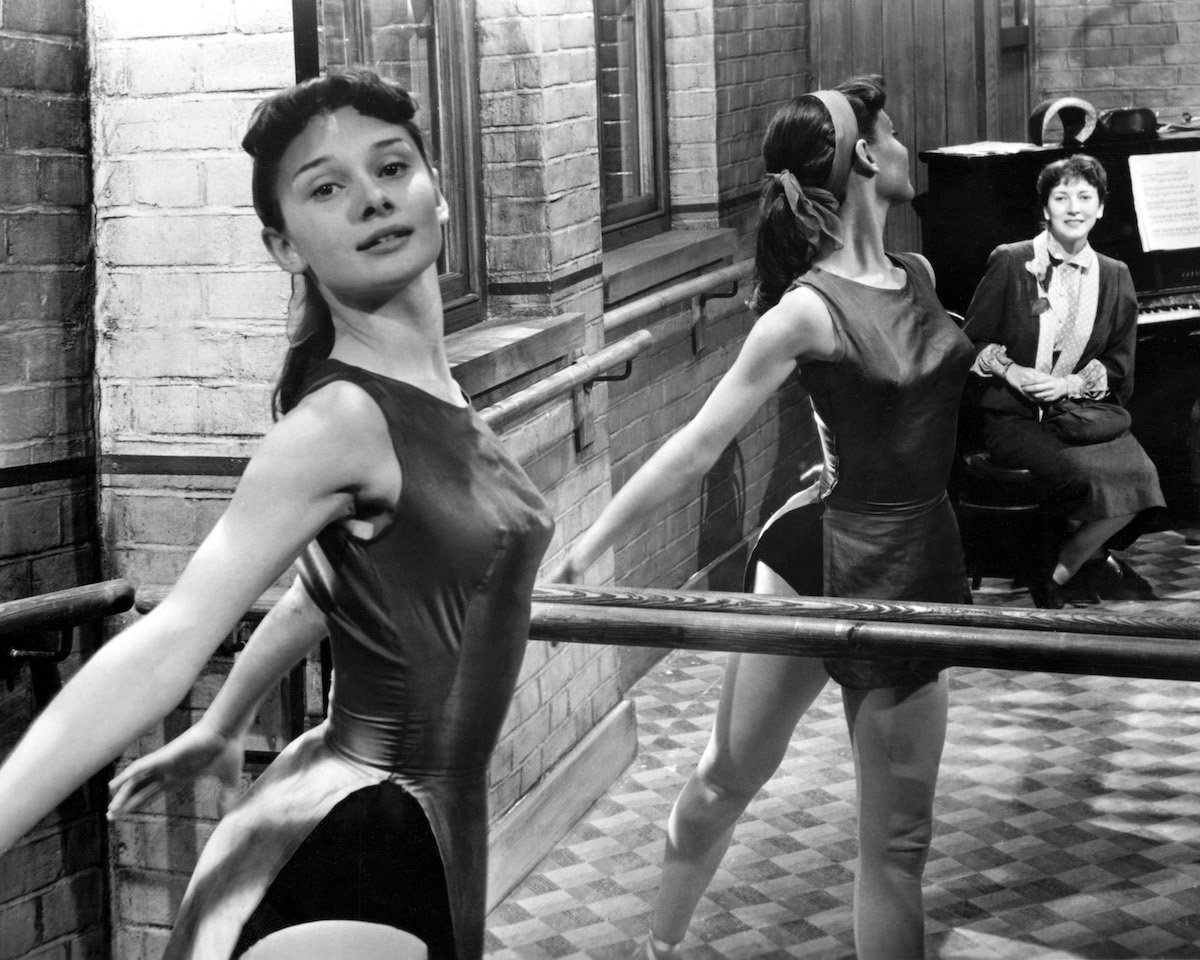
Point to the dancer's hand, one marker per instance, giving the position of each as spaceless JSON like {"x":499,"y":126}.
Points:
{"x":197,"y":752}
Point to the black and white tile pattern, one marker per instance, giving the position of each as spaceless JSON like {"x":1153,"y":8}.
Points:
{"x":1068,"y":820}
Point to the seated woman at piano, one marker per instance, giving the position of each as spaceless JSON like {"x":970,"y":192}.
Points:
{"x":1054,"y":326}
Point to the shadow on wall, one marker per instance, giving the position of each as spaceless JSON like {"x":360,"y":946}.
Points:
{"x":796,"y":449}
{"x":722,"y":513}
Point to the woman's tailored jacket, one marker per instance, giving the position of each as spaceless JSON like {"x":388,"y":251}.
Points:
{"x":1004,"y":311}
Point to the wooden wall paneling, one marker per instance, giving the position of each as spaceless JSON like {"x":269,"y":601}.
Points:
{"x":834,"y":57}
{"x":988,"y":15}
{"x":900,"y":70}
{"x":866,"y":36}
{"x":929,"y":55}
{"x":964,"y":106}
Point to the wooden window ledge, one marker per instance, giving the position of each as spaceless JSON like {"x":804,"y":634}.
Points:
{"x":495,"y":359}
{"x":642,"y":267}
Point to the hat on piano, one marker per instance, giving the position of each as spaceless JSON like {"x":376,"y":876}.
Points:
{"x":1076,"y":117}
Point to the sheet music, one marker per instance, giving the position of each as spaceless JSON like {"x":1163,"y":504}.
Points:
{"x":1166,"y":199}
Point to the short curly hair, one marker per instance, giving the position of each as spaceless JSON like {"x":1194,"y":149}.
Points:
{"x":1080,"y":166}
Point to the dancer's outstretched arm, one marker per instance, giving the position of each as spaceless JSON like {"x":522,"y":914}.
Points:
{"x":797,"y":328}
{"x":213,"y":745}
{"x":310,"y":471}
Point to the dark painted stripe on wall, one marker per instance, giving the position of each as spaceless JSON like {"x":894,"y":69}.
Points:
{"x":173,"y":466}
{"x":71,"y":468}
{"x":524,"y":287}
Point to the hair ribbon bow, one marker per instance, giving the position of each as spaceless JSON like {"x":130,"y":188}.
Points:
{"x":814,"y":207}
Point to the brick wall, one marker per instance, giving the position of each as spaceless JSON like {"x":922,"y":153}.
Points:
{"x":45,"y":345}
{"x":761,"y":58}
{"x":189,"y":321}
{"x":1133,"y":53}
{"x":537,"y":89}
{"x":52,"y":885}
{"x":730,"y":65}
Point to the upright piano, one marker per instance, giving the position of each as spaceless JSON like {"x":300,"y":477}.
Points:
{"x":978,"y":200}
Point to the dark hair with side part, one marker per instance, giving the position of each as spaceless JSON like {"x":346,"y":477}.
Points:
{"x":1079,"y":166}
{"x":275,"y":123}
{"x":801,"y":138}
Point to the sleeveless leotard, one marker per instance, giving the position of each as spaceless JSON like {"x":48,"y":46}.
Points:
{"x":428,"y":621}
{"x":887,"y":415}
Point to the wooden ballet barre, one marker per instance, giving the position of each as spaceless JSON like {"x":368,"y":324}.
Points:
{"x":65,"y":608}
{"x":709,"y":621}
{"x":1089,"y":621}
{"x":40,"y":631}
{"x":1060,"y":641}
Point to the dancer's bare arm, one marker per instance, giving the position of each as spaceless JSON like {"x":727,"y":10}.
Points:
{"x":213,"y":745}
{"x":314,"y":466}
{"x":796,"y":329}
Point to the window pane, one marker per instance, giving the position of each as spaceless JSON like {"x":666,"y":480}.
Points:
{"x":626,"y":85}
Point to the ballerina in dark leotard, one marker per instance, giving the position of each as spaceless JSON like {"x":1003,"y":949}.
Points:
{"x":884,"y":365}
{"x":428,"y":537}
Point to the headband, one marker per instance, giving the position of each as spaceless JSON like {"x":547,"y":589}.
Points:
{"x":815,"y":207}
{"x":845,"y":134}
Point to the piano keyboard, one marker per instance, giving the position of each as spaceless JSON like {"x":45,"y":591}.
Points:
{"x":1169,"y":309}
{"x":1168,"y":314}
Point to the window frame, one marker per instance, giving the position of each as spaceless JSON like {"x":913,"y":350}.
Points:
{"x":631,"y":220}
{"x":464,"y":292}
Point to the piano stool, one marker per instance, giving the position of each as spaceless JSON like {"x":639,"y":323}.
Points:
{"x":1005,"y":528}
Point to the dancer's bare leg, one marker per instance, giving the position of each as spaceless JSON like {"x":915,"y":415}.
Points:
{"x":897,"y":735}
{"x":762,"y":698}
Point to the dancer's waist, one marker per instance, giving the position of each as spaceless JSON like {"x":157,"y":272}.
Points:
{"x":840,"y":500}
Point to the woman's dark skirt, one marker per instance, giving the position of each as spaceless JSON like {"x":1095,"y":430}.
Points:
{"x":1083,"y":483}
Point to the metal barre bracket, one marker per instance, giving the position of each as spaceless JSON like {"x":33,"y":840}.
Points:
{"x":612,"y":378}
{"x":699,"y":341}
{"x":42,"y":659}
{"x":26,"y":625}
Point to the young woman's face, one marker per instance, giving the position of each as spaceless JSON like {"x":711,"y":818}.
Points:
{"x":1072,"y":209}
{"x":360,"y":207}
{"x":892,"y":157}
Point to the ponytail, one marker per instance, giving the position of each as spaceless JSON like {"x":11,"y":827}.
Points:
{"x":781,"y":252}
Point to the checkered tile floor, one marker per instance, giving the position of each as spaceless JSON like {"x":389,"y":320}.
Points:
{"x":1068,"y":820}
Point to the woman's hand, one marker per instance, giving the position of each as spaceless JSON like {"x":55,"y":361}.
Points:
{"x":197,"y":752}
{"x":1047,"y":389}
{"x":1033,"y":384}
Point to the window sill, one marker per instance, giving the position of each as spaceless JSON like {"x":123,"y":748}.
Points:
{"x":642,"y":267}
{"x":494,"y":359}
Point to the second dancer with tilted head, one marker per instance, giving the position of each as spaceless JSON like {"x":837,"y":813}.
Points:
{"x":884,"y":365}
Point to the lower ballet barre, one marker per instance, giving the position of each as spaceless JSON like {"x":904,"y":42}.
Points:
{"x":1091,"y":642}
{"x":1009,"y":638}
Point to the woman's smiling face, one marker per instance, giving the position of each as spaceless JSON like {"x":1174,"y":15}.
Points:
{"x":1072,"y":209}
{"x":360,"y":207}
